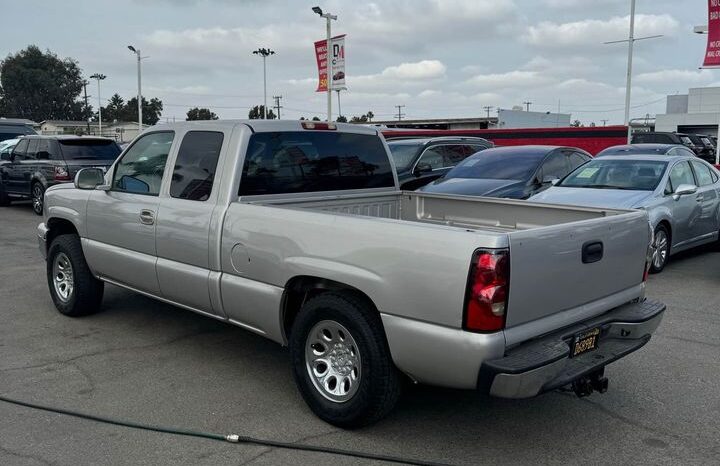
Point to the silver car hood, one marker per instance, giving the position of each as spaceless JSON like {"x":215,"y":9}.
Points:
{"x":590,"y":197}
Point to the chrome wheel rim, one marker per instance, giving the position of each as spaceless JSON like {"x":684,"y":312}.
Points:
{"x":37,"y":198}
{"x":661,"y":249}
{"x":63,"y":279}
{"x":333,"y":361}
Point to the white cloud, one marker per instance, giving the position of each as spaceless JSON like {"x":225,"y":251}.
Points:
{"x":561,"y":4}
{"x":593,"y":32}
{"x":511,"y":79}
{"x":676,"y":77}
{"x":425,"y":69}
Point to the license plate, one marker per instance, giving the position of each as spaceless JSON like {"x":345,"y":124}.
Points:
{"x":584,"y":342}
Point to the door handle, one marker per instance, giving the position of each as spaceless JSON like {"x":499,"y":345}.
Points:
{"x":147,"y":217}
{"x":592,"y":251}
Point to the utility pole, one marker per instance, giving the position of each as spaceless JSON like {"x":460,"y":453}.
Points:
{"x":85,"y":83}
{"x":264,"y":53}
{"x":277,"y":104}
{"x":400,"y":114}
{"x":328,"y":57}
{"x":604,"y":122}
{"x":628,"y":78}
{"x":487,"y":108}
{"x":527,"y":105}
{"x":139,"y":73}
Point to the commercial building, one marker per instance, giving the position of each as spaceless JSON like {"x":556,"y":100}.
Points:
{"x":505,"y":119}
{"x":696,"y":112}
{"x":121,"y":131}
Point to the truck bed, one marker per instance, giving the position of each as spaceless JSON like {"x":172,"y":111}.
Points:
{"x":470,"y":212}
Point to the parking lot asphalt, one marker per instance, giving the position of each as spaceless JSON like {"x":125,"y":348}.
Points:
{"x":149,"y":362}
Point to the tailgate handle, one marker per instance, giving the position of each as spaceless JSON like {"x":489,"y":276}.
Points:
{"x":592,"y":251}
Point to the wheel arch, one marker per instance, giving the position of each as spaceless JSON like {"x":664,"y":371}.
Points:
{"x":59,"y":226}
{"x":303,"y":287}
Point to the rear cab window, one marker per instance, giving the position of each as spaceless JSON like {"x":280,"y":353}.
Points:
{"x":314,"y":161}
{"x":89,"y":149}
{"x":196,"y":164}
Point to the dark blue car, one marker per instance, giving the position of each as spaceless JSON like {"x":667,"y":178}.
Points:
{"x":515,"y":172}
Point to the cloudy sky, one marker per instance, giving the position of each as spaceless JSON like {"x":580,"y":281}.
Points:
{"x":440,"y":58}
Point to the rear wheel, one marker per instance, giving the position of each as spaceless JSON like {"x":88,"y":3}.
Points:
{"x":73,"y":288}
{"x":4,"y":199}
{"x":341,"y":361}
{"x":662,"y":249}
{"x":38,"y":197}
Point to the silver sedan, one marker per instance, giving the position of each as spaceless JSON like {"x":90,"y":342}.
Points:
{"x":680,"y":193}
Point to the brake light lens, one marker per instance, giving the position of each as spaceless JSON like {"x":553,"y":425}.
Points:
{"x":487,"y":293}
{"x":61,"y":173}
{"x":318,"y":126}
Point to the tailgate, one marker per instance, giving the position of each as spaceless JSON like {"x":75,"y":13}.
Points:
{"x":549,"y":273}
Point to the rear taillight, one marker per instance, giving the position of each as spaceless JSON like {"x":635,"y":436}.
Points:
{"x":318,"y":126}
{"x":61,"y":173}
{"x":487,"y":291}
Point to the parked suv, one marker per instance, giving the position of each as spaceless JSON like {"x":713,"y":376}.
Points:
{"x":11,"y":129}
{"x":657,"y":137}
{"x":38,"y":162}
{"x":420,"y":161}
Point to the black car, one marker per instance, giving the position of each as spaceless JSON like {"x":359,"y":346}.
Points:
{"x":704,"y":148}
{"x":421,"y":160}
{"x":38,"y":162}
{"x":11,"y":130}
{"x":646,"y":149}
{"x":515,"y":172}
{"x":658,"y":137}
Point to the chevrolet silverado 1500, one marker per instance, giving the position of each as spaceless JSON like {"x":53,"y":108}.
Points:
{"x":297,"y":231}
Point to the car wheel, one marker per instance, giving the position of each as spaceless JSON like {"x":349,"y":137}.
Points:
{"x":341,"y":361}
{"x":73,"y":288}
{"x":38,"y":197}
{"x":662,"y":249}
{"x":4,"y":198}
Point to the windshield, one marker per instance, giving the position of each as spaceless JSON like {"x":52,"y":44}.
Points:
{"x":494,"y":165}
{"x":89,"y":149}
{"x":403,"y":153}
{"x":642,"y":175}
{"x":686,"y":140}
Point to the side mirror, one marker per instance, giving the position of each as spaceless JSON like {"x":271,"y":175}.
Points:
{"x":684,"y":189}
{"x":89,"y":178}
{"x":5,"y":156}
{"x":422,"y":167}
{"x":42,"y":155}
{"x":550,"y":179}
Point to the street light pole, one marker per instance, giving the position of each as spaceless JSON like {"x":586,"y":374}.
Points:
{"x":139,"y":96}
{"x":264,"y":53}
{"x":328,"y":57}
{"x":99,"y":77}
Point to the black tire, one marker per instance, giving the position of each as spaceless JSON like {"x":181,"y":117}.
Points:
{"x":658,"y":265}
{"x":378,"y":387}
{"x":86,"y":293}
{"x":4,"y":198}
{"x":37,"y":194}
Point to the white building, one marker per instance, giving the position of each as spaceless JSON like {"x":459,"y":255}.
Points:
{"x":508,"y":119}
{"x":696,"y":112}
{"x":121,"y":131}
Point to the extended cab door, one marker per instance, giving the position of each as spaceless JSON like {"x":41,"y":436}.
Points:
{"x":188,"y":223}
{"x":121,"y":220}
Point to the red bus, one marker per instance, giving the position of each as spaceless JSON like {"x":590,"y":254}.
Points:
{"x":592,"y":139}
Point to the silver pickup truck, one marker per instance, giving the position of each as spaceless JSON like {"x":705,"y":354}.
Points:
{"x":297,"y":231}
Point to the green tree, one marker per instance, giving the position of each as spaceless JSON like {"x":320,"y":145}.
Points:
{"x":40,"y":86}
{"x":256,"y":113}
{"x":342,"y":119}
{"x":315,"y":118}
{"x":151,"y":110}
{"x":576,"y":123}
{"x":370,"y":115}
{"x":200,"y":114}
{"x":115,"y":109}
{"x":359,"y":119}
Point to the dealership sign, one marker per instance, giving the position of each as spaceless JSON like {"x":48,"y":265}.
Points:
{"x":712,"y":53}
{"x":338,"y":63}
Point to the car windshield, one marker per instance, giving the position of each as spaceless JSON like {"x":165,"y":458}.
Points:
{"x":403,"y":153}
{"x":89,"y":149}
{"x":686,"y":140}
{"x":641,"y":175}
{"x":495,"y":165}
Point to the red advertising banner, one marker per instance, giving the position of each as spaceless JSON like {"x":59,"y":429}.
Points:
{"x":338,"y":63}
{"x":712,"y":53}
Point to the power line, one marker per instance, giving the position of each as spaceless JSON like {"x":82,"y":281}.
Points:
{"x":400,"y":113}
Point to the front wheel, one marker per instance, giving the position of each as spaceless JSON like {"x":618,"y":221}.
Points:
{"x":662,"y":249}
{"x":38,"y":197}
{"x":341,"y":361}
{"x":73,"y":288}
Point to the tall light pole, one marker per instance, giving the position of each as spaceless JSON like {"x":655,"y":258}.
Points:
{"x":264,"y":53}
{"x":99,"y":77}
{"x":628,"y":82}
{"x":139,"y":96}
{"x":328,"y":58}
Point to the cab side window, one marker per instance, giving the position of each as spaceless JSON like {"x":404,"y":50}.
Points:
{"x":555,"y":166}
{"x":195,"y":167}
{"x":141,"y":169}
{"x":433,"y":156}
{"x":32,"y":149}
